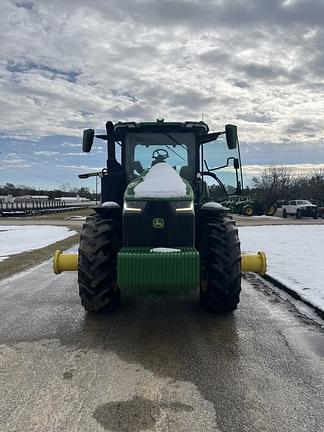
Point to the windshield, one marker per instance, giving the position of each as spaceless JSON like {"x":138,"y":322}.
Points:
{"x":303,"y":202}
{"x":144,"y":150}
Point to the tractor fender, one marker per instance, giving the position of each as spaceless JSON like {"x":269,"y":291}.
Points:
{"x":109,"y":209}
{"x":214,"y":207}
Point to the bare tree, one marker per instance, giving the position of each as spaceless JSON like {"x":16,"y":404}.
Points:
{"x":273,"y":184}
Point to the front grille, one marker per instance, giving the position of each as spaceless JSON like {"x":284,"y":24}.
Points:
{"x":178,"y":229}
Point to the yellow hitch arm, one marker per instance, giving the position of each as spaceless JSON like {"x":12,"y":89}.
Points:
{"x":256,"y":263}
{"x":65,"y":262}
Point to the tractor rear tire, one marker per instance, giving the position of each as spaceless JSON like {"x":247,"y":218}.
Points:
{"x":220,"y":265}
{"x":248,"y":210}
{"x":271,"y":210}
{"x":99,"y":245}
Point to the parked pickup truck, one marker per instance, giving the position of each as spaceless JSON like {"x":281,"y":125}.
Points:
{"x":299,"y":208}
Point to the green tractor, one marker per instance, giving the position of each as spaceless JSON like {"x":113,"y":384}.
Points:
{"x":254,"y":207}
{"x":156,"y":230}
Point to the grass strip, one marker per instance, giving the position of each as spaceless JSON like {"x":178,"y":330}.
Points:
{"x":26,"y":260}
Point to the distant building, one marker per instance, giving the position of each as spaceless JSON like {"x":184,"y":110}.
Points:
{"x":73,"y":199}
{"x":6,"y":199}
{"x":39,"y":198}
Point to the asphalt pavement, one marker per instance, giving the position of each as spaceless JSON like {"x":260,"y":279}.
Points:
{"x":156,"y":364}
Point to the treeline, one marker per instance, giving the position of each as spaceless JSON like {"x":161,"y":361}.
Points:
{"x":21,"y":190}
{"x":279,"y":184}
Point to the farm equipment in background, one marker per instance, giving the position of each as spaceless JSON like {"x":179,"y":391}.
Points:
{"x":254,"y":207}
{"x":157,"y":230}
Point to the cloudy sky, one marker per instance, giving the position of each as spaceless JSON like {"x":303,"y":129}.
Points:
{"x":70,"y":65}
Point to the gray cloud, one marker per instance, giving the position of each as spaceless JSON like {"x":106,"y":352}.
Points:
{"x":255,"y":118}
{"x":212,"y":14}
{"x":262,"y":71}
{"x":75,"y":65}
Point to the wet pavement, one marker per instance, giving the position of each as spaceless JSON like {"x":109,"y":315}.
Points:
{"x":156,"y":364}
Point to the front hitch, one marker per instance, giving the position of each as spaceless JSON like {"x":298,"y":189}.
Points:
{"x":256,"y":263}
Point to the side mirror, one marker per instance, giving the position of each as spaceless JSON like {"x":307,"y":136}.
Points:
{"x":231,"y":136}
{"x":87,"y":141}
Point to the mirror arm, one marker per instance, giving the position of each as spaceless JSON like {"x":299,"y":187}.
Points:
{"x":203,"y":139}
{"x":104,"y":137}
{"x":214,"y":176}
{"x":223,"y":166}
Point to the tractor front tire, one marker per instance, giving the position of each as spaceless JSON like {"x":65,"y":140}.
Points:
{"x":99,"y":245}
{"x":220,"y":265}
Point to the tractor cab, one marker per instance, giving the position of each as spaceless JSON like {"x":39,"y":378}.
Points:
{"x":206,"y":160}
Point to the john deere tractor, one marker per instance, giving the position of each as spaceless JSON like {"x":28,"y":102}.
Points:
{"x":156,"y":230}
{"x":254,"y":207}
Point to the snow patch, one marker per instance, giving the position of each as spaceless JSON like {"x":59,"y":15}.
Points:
{"x":76,"y":218}
{"x":295,"y":255}
{"x":110,"y":204}
{"x":162,"y":181}
{"x":265,"y":217}
{"x":15,"y":239}
{"x":164,"y":250}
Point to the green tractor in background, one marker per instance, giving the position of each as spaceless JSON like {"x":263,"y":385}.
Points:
{"x":253,"y":207}
{"x":157,"y":230}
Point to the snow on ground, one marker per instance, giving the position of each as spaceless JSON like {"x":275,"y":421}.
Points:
{"x":15,"y":239}
{"x":295,"y":256}
{"x":76,"y":218}
{"x":162,"y":181}
{"x":264,"y":217}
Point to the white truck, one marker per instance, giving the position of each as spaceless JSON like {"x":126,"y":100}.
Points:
{"x":299,"y":208}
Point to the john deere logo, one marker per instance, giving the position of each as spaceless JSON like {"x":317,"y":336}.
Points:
{"x":158,"y":223}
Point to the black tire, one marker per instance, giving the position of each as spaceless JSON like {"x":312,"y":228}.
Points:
{"x":299,"y":214}
{"x":248,"y":210}
{"x":284,"y":213}
{"x":271,"y":210}
{"x":99,"y":245}
{"x":220,"y":260}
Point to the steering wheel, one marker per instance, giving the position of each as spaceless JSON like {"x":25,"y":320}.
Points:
{"x":159,"y":155}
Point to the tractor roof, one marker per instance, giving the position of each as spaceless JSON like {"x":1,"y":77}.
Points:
{"x":161,"y":126}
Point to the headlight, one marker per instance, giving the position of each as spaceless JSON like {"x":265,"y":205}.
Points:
{"x":183,"y":206}
{"x":134,"y":206}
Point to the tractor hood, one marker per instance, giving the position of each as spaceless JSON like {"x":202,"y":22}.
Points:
{"x":161,"y":181}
